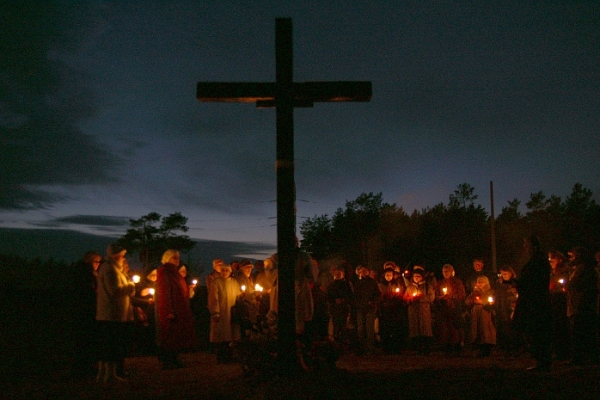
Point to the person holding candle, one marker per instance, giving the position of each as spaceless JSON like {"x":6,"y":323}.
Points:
{"x":561,"y":329}
{"x":532,"y":314}
{"x":222,"y":298}
{"x":175,"y":321}
{"x":113,"y":312}
{"x":506,"y":300}
{"x":419,"y":296}
{"x":248,"y":299}
{"x":481,"y":303}
{"x":145,"y":328}
{"x":392,"y":312}
{"x":450,"y":297}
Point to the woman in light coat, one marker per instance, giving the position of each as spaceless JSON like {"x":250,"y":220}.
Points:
{"x":223,"y":330}
{"x":113,"y":312}
{"x":482,"y":301}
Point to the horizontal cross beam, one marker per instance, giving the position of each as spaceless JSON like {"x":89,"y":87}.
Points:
{"x":263,"y":93}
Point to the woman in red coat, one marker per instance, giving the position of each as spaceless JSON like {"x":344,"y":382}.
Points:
{"x":175,"y":322}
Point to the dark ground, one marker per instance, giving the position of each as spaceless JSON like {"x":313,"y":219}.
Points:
{"x":35,"y":353}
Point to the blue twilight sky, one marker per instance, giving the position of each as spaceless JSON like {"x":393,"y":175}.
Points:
{"x":99,"y":121}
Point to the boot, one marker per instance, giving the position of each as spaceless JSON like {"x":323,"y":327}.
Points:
{"x":102,"y":375}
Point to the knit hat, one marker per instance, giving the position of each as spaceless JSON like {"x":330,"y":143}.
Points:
{"x":418,"y":270}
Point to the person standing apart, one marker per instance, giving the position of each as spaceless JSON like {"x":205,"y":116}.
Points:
{"x":533,"y":309}
{"x":113,"y":312}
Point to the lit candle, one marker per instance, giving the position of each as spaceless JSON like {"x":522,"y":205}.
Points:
{"x":561,"y":281}
{"x":151,"y":290}
{"x":445,"y":290}
{"x":195,"y":282}
{"x":135,"y":278}
{"x":243,"y":288}
{"x":397,"y":290}
{"x":490,"y":300}
{"x":258,"y":288}
{"x":415,"y":294}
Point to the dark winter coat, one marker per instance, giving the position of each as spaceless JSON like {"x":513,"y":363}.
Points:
{"x":533,"y":304}
{"x":172,"y":297}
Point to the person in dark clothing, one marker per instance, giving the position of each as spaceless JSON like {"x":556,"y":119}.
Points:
{"x":582,"y":307}
{"x":478,"y":270}
{"x":339,"y":300}
{"x":506,"y":300}
{"x":532,"y":312}
{"x":561,"y":328}
{"x":144,"y":313}
{"x":393,"y":315}
{"x":366,"y":301}
{"x":85,"y":285}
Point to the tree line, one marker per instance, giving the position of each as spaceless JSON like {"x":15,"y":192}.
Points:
{"x":369,"y":231}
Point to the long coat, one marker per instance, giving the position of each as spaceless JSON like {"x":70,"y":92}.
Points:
{"x":220,"y":301}
{"x":533,"y":310}
{"x":483,"y":329}
{"x":115,"y":291}
{"x":172,"y":297}
{"x":419,"y":308}
{"x":449,"y":311}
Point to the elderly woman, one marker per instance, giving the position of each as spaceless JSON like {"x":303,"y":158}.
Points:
{"x":175,"y":322}
{"x":222,"y":329}
{"x":419,"y":296}
{"x":481,"y":301}
{"x":113,"y":312}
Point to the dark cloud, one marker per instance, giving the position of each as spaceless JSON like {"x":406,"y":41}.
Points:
{"x":95,"y":220}
{"x":42,"y":101}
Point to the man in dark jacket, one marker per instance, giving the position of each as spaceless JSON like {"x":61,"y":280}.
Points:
{"x":366,"y":298}
{"x":532,"y":312}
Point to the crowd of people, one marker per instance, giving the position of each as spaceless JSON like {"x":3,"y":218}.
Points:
{"x":550,"y":309}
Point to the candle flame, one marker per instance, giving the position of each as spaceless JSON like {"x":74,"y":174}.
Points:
{"x":561,"y":281}
{"x":243,"y":288}
{"x":258,"y":288}
{"x":397,"y":290}
{"x":445,"y":290}
{"x":151,"y":290}
{"x":135,"y":278}
{"x":195,"y":281}
{"x":490,"y":299}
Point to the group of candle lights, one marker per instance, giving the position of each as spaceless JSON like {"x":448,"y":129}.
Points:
{"x":257,"y":287}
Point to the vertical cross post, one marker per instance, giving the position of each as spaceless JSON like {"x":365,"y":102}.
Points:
{"x":286,"y":218}
{"x":284,"y":95}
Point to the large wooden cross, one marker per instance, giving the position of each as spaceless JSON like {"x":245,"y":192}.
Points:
{"x":284,"y":94}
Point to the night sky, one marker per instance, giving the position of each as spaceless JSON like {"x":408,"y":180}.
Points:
{"x":99,"y":121}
